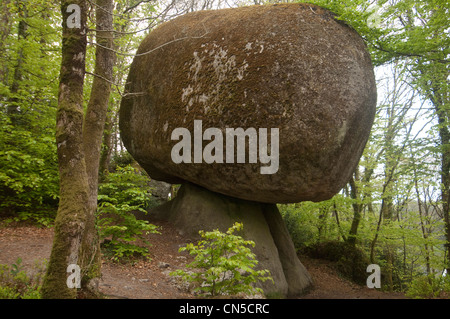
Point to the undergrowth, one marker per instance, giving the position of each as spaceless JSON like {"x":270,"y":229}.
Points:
{"x":15,"y":283}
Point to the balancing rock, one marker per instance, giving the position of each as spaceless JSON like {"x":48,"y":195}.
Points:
{"x":278,"y":101}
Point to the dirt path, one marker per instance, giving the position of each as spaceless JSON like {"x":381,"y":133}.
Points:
{"x":329,"y":285}
{"x":150,"y":279}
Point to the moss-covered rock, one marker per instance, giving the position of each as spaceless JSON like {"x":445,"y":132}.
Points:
{"x":288,"y":66}
{"x":196,"y":208}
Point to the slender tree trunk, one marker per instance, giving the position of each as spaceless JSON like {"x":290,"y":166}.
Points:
{"x":13,"y":103}
{"x":338,"y":223}
{"x":444,"y":135}
{"x":322,"y":222}
{"x":5,"y":31}
{"x":375,"y":238}
{"x":5,"y":22}
{"x":94,"y":124}
{"x":357,"y":209}
{"x":72,"y":211}
{"x":422,"y":224}
{"x":388,"y":250}
{"x":439,"y":98}
{"x":105,"y":157}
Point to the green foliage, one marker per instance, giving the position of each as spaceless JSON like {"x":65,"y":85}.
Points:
{"x":429,"y":287}
{"x":28,"y":173}
{"x":399,"y":177}
{"x":15,"y":283}
{"x":124,"y":192}
{"x":311,"y":222}
{"x":224,"y":264}
{"x":301,"y":224}
{"x":361,"y":16}
{"x":126,"y":186}
{"x":29,"y":65}
{"x":401,"y":170}
{"x":122,"y":159}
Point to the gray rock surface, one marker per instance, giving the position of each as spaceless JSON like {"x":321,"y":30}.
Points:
{"x":196,"y":208}
{"x":286,"y":66}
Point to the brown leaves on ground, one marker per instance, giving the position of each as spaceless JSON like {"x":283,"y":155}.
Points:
{"x":150,"y":280}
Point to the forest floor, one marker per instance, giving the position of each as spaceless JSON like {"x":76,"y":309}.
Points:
{"x":150,"y":279}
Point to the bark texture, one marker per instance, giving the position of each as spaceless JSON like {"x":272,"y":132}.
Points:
{"x":72,"y":211}
{"x":93,"y":128}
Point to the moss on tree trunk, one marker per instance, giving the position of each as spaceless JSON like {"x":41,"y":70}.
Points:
{"x":72,"y":211}
{"x":93,"y":128}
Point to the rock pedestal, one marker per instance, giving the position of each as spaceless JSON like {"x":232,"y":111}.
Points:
{"x":196,"y":208}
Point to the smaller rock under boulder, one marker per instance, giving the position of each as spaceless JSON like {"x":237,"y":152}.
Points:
{"x":196,"y":208}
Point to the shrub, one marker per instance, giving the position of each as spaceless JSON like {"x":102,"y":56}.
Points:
{"x":124,"y":192}
{"x":225,"y":264}
{"x":122,"y":159}
{"x":301,"y":226}
{"x":429,"y":287}
{"x":29,"y":186}
{"x":16,"y":284}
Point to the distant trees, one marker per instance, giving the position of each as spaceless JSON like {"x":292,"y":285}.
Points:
{"x":396,"y":204}
{"x":80,"y":129}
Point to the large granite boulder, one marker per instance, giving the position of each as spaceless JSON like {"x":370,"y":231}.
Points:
{"x":290,"y":69}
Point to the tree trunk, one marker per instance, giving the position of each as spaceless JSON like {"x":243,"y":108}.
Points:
{"x":13,"y":103}
{"x":388,"y":249}
{"x":5,"y":31}
{"x":338,"y":223}
{"x":444,"y":135}
{"x":374,"y":241}
{"x":422,"y":222}
{"x":436,"y":89}
{"x":94,"y":124}
{"x":105,"y":157}
{"x":357,"y":208}
{"x":323,"y":212}
{"x":72,"y":211}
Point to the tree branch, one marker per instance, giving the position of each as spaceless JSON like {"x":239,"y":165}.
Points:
{"x":117,"y":85}
{"x":152,"y":50}
{"x":135,"y":5}
{"x":406,"y":54}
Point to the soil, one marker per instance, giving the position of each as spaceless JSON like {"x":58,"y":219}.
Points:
{"x":150,"y":280}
